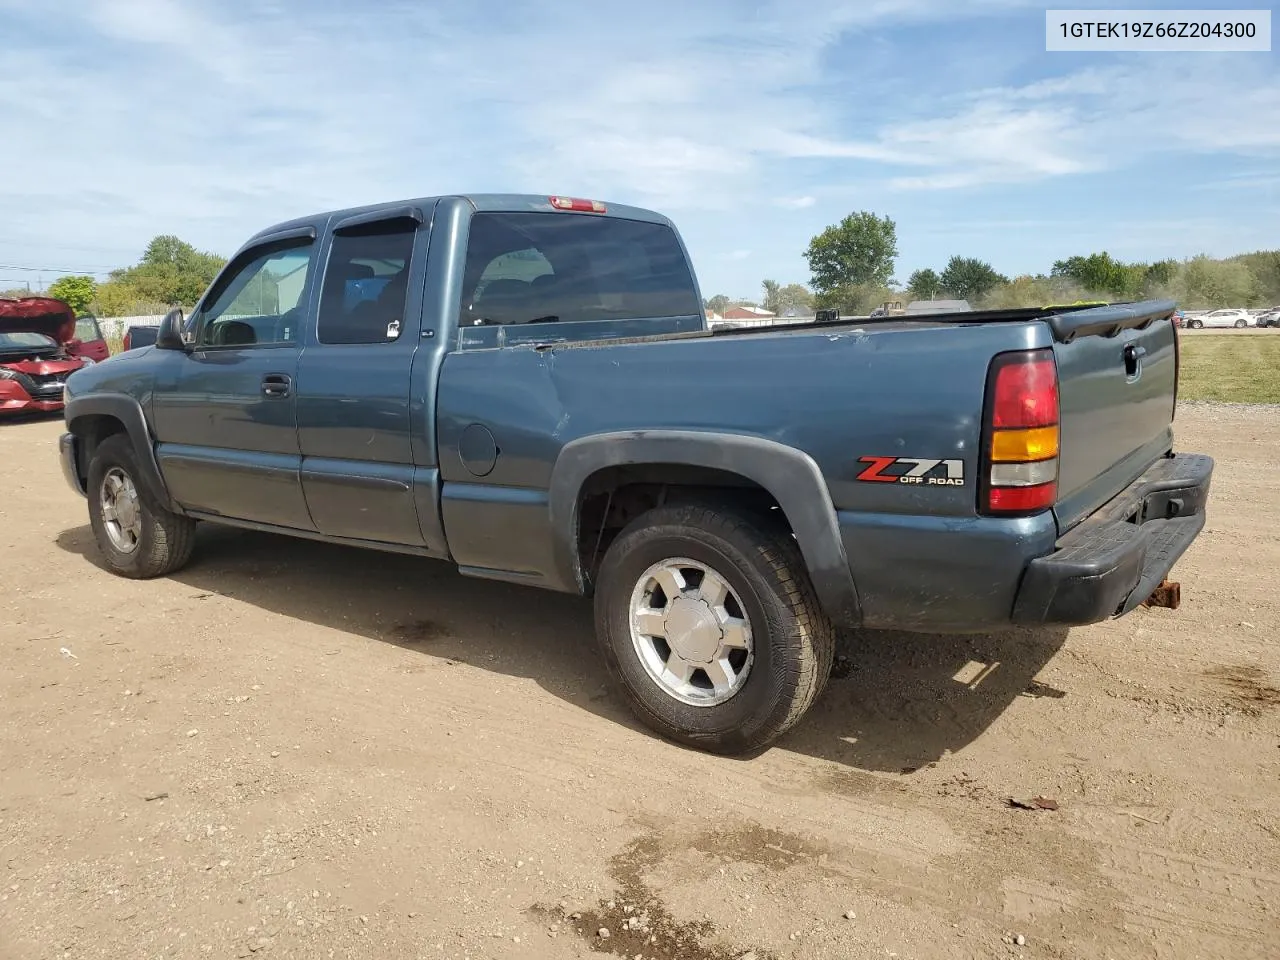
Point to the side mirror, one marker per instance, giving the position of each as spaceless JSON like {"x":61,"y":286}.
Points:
{"x":169,"y":336}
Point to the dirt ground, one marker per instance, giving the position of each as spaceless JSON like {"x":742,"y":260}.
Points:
{"x":296,"y":750}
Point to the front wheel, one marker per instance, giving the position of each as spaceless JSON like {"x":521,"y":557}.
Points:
{"x":136,"y":535}
{"x":1195,"y":324}
{"x":710,"y":627}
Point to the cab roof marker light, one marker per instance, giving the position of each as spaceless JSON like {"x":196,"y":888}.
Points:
{"x":577,"y":205}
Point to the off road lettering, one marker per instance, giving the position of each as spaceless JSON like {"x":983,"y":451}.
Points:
{"x":918,"y":470}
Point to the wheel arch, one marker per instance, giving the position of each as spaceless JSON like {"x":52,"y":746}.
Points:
{"x":751,"y":466}
{"x":94,"y":418}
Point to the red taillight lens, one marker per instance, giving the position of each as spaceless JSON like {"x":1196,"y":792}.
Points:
{"x":1021,"y":438}
{"x":1026,"y":392}
{"x":1023,"y":499}
{"x":124,"y":344}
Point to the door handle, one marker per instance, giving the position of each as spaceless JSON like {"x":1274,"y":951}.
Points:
{"x":276,"y":385}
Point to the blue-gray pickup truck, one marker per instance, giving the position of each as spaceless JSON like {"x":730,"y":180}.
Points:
{"x":526,"y":387}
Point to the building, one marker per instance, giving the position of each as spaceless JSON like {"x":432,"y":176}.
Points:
{"x":748,"y":313}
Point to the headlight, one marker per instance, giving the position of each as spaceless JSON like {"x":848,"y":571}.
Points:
{"x":88,"y":361}
{"x":7,"y":374}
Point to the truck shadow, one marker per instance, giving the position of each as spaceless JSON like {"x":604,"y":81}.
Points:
{"x":896,"y":701}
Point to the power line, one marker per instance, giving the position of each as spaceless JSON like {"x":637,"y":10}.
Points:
{"x":16,"y":266}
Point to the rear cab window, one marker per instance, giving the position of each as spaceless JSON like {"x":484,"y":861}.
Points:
{"x":557,"y":268}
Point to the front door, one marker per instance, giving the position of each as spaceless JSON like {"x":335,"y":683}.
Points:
{"x":225,"y":413}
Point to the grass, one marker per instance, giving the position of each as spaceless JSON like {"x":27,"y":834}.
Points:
{"x":1234,"y":369}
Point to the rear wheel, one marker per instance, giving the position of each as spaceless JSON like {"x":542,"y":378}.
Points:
{"x":1241,"y":324}
{"x":136,"y":535}
{"x":710,"y":627}
{"x":1195,"y":324}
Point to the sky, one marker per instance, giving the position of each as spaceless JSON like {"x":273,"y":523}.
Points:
{"x":753,"y":125}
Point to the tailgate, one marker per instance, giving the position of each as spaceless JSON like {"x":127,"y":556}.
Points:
{"x":1117,"y":382}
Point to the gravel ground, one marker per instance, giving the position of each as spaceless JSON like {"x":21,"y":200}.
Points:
{"x":297,"y":750}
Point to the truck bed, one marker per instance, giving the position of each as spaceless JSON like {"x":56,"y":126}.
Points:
{"x":900,"y":387}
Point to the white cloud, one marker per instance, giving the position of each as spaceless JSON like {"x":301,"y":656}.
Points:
{"x":212,"y":120}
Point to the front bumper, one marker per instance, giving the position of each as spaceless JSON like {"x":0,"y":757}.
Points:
{"x":21,"y":394}
{"x":1112,"y":561}
{"x":69,"y":456}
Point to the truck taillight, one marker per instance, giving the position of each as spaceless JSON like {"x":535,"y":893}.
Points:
{"x":1177,"y":363}
{"x":574,"y":203}
{"x":1021,"y":438}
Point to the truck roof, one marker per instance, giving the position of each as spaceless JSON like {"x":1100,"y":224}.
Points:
{"x":486,"y":202}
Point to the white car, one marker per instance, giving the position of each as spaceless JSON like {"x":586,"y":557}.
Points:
{"x":1229,"y":317}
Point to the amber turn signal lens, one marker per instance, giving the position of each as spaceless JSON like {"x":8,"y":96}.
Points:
{"x":1020,"y":446}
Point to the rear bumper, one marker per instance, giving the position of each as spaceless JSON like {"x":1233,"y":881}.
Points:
{"x":68,"y":457}
{"x":1111,"y":562}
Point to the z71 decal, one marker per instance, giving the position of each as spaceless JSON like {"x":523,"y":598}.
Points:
{"x":936,"y":473}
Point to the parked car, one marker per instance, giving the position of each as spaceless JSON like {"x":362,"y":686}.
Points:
{"x":89,"y":341}
{"x":1271,"y":318}
{"x":1229,"y":317}
{"x":36,"y":334}
{"x":534,"y":396}
{"x":139,"y":335}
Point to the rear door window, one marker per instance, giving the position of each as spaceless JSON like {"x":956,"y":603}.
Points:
{"x":366,"y":283}
{"x":566,"y":268}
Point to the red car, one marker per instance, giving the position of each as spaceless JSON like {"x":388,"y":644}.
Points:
{"x":38,"y":351}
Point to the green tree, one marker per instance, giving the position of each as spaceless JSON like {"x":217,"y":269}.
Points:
{"x":1265,"y":265}
{"x":718,"y":304}
{"x":1206,"y":284}
{"x":968,"y":278}
{"x":924,"y":284}
{"x":856,"y":299}
{"x":795,"y":296}
{"x":772,"y":301}
{"x":75,"y":291}
{"x":1025,"y":291}
{"x":116,"y":299}
{"x":859,"y":250}
{"x":1098,"y":272}
{"x":171,"y":271}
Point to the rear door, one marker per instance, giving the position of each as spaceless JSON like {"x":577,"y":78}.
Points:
{"x":225,"y":413}
{"x":354,"y":382}
{"x":1117,"y":402}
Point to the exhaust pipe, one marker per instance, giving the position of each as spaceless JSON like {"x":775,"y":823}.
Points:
{"x":1168,"y":594}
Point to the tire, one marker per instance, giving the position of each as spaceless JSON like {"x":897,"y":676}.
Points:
{"x":1241,"y":324}
{"x":1195,"y":324}
{"x":161,"y":541}
{"x":791,"y":642}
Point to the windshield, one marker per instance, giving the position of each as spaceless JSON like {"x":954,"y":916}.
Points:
{"x":26,"y":341}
